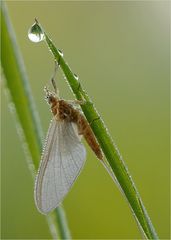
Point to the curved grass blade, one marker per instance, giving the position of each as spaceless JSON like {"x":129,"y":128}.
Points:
{"x":114,"y":159}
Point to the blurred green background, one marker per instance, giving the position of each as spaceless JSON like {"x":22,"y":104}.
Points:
{"x":120,"y":51}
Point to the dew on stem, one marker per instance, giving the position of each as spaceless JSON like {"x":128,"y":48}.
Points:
{"x":76,"y":76}
{"x":60,"y":52}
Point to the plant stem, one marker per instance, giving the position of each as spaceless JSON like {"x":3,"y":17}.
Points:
{"x":21,"y":96}
{"x":110,"y":150}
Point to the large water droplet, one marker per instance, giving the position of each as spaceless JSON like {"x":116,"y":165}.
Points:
{"x":36,"y":33}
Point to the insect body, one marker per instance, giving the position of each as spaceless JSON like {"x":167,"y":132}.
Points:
{"x":63,"y":155}
{"x":65,"y":111}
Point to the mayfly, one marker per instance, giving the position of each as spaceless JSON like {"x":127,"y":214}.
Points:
{"x":63,"y":155}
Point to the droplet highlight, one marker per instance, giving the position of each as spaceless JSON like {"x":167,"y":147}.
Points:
{"x":36,"y":33}
{"x":60,"y":52}
{"x":76,"y":76}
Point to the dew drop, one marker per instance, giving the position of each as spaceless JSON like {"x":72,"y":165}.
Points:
{"x":60,"y":52}
{"x":64,"y":76}
{"x":36,"y":33}
{"x":76,"y":76}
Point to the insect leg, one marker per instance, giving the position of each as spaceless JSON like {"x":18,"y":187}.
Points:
{"x":77,"y":102}
{"x":95,"y":119}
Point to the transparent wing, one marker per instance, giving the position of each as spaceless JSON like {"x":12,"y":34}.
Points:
{"x":62,"y":160}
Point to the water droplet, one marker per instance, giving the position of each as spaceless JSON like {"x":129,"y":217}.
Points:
{"x":76,"y":76}
{"x":36,"y":33}
{"x":60,"y":52}
{"x":64,"y":76}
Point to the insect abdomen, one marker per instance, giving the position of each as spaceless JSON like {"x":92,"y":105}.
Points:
{"x":86,"y":131}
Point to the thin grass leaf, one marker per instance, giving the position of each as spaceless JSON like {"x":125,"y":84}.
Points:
{"x":118,"y":170}
{"x":27,"y":117}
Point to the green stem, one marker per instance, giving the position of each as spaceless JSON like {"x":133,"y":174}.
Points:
{"x":21,"y":96}
{"x":109,"y":148}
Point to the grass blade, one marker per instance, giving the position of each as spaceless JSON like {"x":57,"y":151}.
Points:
{"x":21,"y":97}
{"x":115,"y":163}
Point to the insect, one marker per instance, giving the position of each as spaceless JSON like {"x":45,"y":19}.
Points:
{"x":63,"y":155}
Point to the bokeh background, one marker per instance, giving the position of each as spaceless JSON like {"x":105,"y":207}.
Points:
{"x":120,"y":51}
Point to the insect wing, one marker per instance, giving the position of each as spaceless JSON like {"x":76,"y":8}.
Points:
{"x":62,"y":160}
